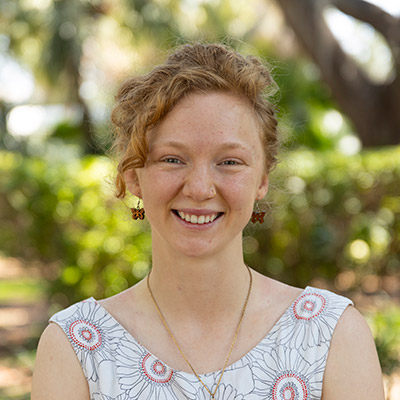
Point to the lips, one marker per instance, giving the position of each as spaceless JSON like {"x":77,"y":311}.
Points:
{"x":197,"y":219}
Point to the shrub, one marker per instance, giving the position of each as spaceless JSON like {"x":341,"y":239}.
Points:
{"x":334,"y":217}
{"x":65,"y":215}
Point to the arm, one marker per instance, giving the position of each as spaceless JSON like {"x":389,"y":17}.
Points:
{"x":352,"y":368}
{"x":57,"y":374}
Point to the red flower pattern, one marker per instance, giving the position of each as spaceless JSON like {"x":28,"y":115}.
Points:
{"x":288,"y":364}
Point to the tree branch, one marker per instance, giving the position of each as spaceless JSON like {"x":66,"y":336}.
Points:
{"x":364,"y":102}
{"x":306,"y":19}
{"x":385,"y":23}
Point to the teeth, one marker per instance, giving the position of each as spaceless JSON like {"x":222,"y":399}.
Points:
{"x":194,"y":219}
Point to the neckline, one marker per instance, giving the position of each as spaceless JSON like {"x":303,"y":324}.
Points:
{"x":230,"y":366}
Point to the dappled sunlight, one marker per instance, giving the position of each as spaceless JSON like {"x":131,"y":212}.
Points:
{"x":14,"y":381}
{"x":392,"y":387}
{"x":13,"y":316}
{"x":332,"y":122}
{"x":25,"y":120}
{"x":333,"y":208}
{"x":16,"y":82}
{"x":364,"y":44}
{"x":359,"y":251}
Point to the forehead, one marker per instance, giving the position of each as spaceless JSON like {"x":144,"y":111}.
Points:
{"x":209,"y":118}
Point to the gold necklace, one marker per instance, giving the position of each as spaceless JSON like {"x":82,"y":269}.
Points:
{"x":179,"y":347}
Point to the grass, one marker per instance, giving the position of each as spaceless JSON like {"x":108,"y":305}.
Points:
{"x":24,"y":289}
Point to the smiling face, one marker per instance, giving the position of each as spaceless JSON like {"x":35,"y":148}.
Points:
{"x":204,"y":170}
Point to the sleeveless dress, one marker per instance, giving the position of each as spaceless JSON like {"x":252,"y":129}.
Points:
{"x":287,"y":364}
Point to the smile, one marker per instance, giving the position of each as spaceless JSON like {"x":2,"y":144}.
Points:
{"x":197,"y":219}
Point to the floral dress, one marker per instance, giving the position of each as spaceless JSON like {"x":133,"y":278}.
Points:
{"x":287,"y":364}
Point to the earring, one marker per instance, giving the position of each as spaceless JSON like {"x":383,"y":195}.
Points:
{"x":138,"y":212}
{"x":257,"y":215}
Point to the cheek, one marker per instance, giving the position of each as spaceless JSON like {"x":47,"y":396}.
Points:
{"x":240,"y":192}
{"x":159,"y":187}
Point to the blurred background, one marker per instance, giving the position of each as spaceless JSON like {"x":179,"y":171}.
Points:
{"x":333,"y":212}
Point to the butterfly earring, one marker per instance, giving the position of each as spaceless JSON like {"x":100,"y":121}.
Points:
{"x":257,"y":215}
{"x":138,"y":212}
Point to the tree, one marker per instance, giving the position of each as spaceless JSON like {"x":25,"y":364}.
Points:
{"x":60,"y":30}
{"x":373,"y":108}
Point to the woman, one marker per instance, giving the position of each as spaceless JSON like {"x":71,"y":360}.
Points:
{"x":197,"y":140}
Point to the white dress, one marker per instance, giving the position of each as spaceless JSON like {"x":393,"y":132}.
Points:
{"x":287,"y":364}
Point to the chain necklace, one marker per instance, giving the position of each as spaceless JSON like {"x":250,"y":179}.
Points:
{"x":179,"y":347}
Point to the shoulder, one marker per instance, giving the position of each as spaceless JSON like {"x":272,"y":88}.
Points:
{"x":306,"y":303}
{"x":350,"y":324}
{"x":353,"y":365}
{"x":57,"y":372}
{"x":270,"y":291}
{"x":83,"y":309}
{"x":129,"y":305}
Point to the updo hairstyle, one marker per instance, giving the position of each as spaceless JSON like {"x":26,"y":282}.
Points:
{"x":142,"y":102}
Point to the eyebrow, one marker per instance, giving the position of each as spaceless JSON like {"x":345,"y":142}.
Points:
{"x":182,"y":145}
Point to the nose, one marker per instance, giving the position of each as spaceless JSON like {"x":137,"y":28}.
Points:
{"x":199,"y":184}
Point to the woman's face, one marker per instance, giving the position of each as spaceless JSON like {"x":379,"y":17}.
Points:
{"x":204,"y":170}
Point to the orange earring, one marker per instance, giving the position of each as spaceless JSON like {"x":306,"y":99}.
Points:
{"x":257,"y":215}
{"x":138,"y":212}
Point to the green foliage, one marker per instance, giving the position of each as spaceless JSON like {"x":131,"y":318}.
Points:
{"x":386,"y":329}
{"x":21,"y":290}
{"x":68,"y":133}
{"x":333,"y":216}
{"x":65,"y":44}
{"x":304,"y":102}
{"x":65,"y":216}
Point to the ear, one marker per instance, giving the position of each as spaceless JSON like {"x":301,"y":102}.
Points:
{"x":263,"y":188}
{"x":132,"y":182}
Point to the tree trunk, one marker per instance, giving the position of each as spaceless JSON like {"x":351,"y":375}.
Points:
{"x":373,"y":109}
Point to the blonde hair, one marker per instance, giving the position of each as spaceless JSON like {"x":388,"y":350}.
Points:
{"x":142,"y":102}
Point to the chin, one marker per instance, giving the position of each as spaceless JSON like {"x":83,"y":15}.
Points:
{"x":196,"y":249}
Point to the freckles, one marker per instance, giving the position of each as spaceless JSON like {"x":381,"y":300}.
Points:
{"x":239,"y":189}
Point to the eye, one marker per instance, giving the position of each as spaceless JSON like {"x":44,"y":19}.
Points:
{"x":171,"y":160}
{"x":230,"y":162}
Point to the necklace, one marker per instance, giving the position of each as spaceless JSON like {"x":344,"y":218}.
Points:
{"x":179,"y":347}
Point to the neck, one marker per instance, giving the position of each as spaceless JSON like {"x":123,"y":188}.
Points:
{"x":199,"y":288}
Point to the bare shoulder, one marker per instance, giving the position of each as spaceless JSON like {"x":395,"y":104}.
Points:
{"x":352,"y":368}
{"x":132,"y":296}
{"x":277,"y":290}
{"x":57,"y":373}
{"x":270,"y":299}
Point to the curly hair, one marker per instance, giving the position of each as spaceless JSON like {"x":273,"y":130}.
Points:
{"x":142,"y":102}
